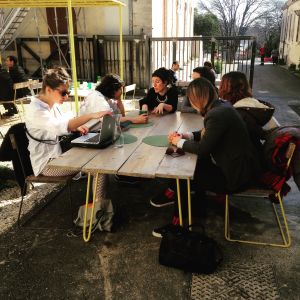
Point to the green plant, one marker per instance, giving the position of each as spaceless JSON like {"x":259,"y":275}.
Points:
{"x":218,"y":66}
{"x":292,"y":67}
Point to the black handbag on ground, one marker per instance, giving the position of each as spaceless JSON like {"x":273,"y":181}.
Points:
{"x":190,"y":251}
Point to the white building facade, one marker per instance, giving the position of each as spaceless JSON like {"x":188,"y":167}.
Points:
{"x":289,"y":48}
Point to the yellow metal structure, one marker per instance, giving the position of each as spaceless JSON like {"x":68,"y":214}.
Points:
{"x":69,"y":4}
{"x":261,"y":193}
{"x":58,"y":3}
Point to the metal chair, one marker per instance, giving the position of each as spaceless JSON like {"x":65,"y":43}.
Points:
{"x":129,"y":89}
{"x":274,"y":197}
{"x":30,"y":179}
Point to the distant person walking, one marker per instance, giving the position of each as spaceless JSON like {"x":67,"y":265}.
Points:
{"x":262,"y":53}
{"x":175,"y":67}
{"x":274,"y":55}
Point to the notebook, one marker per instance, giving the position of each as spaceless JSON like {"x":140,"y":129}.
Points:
{"x":100,"y":139}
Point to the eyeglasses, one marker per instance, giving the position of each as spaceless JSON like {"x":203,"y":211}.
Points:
{"x":174,"y":152}
{"x":63,"y":93}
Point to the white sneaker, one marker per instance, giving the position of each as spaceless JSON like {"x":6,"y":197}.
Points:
{"x":78,"y":176}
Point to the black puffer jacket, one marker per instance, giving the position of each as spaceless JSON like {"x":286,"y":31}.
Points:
{"x":17,"y":75}
{"x":256,"y":114}
{"x":8,"y":154}
{"x":6,"y":86}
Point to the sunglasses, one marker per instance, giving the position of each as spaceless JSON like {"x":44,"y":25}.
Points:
{"x":174,"y":152}
{"x":63,"y":93}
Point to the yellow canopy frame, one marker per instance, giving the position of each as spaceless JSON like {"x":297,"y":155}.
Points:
{"x":69,"y":4}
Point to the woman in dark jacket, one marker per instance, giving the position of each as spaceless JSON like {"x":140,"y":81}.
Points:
{"x":227,"y":160}
{"x":235,"y":88}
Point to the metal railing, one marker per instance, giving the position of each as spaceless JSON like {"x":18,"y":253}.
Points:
{"x":99,"y":55}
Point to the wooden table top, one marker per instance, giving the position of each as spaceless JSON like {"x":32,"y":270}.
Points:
{"x":138,"y":158}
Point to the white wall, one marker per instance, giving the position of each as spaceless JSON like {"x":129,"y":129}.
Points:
{"x":290,"y":34}
{"x":172,"y":18}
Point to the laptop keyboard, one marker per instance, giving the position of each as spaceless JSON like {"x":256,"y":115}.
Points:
{"x":94,"y":139}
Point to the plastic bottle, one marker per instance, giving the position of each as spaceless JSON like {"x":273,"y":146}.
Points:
{"x":119,"y":136}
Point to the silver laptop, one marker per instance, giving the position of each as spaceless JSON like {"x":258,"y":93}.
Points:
{"x":101,"y":139}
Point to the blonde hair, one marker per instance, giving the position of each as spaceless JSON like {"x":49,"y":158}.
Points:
{"x":201,"y":93}
{"x":55,"y":77}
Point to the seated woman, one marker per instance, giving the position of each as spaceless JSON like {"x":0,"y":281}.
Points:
{"x":107,"y":96}
{"x":45,"y":122}
{"x":198,"y":72}
{"x":227,"y":160}
{"x":163,"y":96}
{"x":234,"y":87}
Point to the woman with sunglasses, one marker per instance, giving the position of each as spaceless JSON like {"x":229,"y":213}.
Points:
{"x":45,"y":122}
{"x":163,"y":96}
{"x":108,"y":96}
{"x":227,"y":160}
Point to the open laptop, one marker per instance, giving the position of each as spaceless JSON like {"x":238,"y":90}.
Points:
{"x":100,"y":139}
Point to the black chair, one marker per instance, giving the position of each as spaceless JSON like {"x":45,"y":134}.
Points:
{"x":23,"y":168}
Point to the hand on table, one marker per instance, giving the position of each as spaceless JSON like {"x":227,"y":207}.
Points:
{"x":141,"y":119}
{"x":159,"y":109}
{"x":174,"y":138}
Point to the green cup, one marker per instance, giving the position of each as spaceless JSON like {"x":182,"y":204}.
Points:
{"x":141,"y":112}
{"x":89,"y":85}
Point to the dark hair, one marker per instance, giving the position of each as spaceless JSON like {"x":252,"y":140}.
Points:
{"x":55,"y":77}
{"x":175,"y":62}
{"x":164,"y":74}
{"x":203,"y":91}
{"x":109,"y":85}
{"x":207,"y":64}
{"x":234,"y":86}
{"x":206,"y":73}
{"x":12,"y":58}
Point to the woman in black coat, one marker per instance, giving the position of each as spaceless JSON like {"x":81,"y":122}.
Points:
{"x":227,"y":160}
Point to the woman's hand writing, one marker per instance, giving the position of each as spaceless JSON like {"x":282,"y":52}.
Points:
{"x":174,"y":135}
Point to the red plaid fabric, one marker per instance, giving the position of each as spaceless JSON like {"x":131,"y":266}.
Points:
{"x":277,"y":180}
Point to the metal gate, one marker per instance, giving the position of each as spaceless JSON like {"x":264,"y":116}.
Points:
{"x":99,"y":55}
{"x":225,"y":53}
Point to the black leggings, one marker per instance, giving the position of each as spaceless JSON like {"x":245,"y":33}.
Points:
{"x":207,"y":177}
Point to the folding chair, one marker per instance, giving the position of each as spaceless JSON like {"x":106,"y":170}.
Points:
{"x":128,"y":89}
{"x":266,"y":193}
{"x":24,"y":98}
{"x":21,"y":151}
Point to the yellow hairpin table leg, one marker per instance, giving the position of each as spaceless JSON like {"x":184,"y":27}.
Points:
{"x":179,"y":202}
{"x":87,"y":238}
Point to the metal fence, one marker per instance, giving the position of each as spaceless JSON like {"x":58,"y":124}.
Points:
{"x":99,"y":55}
{"x":225,"y":53}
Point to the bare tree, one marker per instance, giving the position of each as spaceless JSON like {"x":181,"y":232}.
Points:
{"x":236,"y":16}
